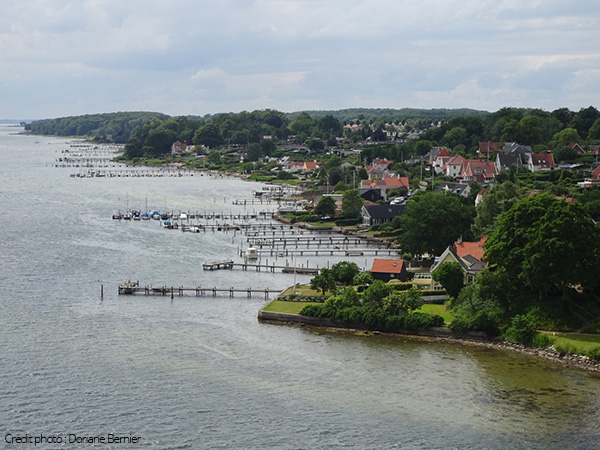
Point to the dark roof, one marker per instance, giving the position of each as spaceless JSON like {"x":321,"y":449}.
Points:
{"x":384,"y":211}
{"x":455,"y":188}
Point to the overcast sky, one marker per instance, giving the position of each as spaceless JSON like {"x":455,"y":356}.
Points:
{"x":69,"y":57}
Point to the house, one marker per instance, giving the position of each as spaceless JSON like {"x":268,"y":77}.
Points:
{"x":440,"y":160}
{"x":370,"y":194}
{"x":479,"y":197}
{"x":386,"y":184}
{"x":479,"y":170}
{"x":379,"y":214}
{"x":513,"y":147}
{"x":468,"y":254}
{"x":454,"y":166}
{"x":382,"y":163}
{"x":435,"y":151}
{"x":461,"y":189}
{"x":178,"y":148}
{"x":575,"y":146}
{"x":596,"y":175}
{"x":540,"y":162}
{"x":503,"y":162}
{"x":389,"y":269}
{"x":485,"y":149}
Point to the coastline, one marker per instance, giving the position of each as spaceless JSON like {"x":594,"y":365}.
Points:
{"x":439,"y":334}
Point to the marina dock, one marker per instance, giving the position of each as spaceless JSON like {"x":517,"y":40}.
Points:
{"x":229,"y":264}
{"x":131,"y":288}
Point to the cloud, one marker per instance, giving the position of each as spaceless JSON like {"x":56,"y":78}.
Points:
{"x":242,"y":54}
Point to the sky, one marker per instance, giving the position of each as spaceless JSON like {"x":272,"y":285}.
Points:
{"x":195,"y":57}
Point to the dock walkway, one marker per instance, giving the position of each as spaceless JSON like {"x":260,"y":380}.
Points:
{"x":131,"y":288}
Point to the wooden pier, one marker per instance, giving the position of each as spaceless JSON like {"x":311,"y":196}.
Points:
{"x":131,"y":288}
{"x":327,"y":252}
{"x":259,"y":267}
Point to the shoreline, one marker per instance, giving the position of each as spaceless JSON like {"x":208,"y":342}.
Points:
{"x":440,"y":335}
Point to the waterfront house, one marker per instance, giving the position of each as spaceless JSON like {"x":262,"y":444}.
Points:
{"x":389,"y":269}
{"x":468,"y":254}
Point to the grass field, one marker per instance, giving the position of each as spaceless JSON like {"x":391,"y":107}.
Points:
{"x":439,"y":310}
{"x":286,"y":307}
{"x":581,"y":343}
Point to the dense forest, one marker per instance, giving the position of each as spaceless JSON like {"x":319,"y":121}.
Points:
{"x":110,"y":127}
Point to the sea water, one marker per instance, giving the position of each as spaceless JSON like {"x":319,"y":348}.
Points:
{"x":83,"y":370}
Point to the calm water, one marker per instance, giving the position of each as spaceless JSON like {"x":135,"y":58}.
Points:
{"x":202,"y":372}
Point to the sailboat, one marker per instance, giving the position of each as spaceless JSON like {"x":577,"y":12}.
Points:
{"x":145,"y":215}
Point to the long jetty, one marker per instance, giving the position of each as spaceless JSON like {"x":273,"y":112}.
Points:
{"x":229,"y":264}
{"x":131,"y":288}
{"x":327,"y":252}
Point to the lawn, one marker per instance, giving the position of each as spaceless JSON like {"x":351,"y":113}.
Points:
{"x":437,"y":309}
{"x":581,"y":343}
{"x":287,"y":307}
{"x":301,"y":289}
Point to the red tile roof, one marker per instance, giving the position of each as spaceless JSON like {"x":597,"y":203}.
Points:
{"x":387,"y":265}
{"x":474,"y":249}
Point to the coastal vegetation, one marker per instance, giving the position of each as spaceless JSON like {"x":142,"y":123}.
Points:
{"x":542,"y":253}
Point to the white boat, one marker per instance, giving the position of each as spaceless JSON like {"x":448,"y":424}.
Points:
{"x":251,"y":253}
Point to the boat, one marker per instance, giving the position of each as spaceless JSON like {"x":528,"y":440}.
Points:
{"x":251,"y":253}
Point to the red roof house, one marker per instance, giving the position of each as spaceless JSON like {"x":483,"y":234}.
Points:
{"x":389,"y":269}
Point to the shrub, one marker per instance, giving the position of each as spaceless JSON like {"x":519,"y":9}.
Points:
{"x":594,"y":353}
{"x":481,"y":321}
{"x":417,"y":321}
{"x":312,"y":310}
{"x":542,"y":340}
{"x":374,"y":318}
{"x":521,"y":331}
{"x":394,"y":323}
{"x":353,"y":315}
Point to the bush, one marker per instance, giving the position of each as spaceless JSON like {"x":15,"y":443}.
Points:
{"x":481,"y":321}
{"x":313,"y":311}
{"x":353,"y":315}
{"x":417,"y":321}
{"x":374,"y":318}
{"x":394,"y":323}
{"x":348,"y":222}
{"x":594,"y":353}
{"x":542,"y":340}
{"x":521,"y":331}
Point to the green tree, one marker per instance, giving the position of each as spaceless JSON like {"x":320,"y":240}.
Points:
{"x":530,"y":132}
{"x":594,"y":132}
{"x":325,"y":206}
{"x":159,"y":142}
{"x":254,"y":152}
{"x":352,"y":203}
{"x":497,"y":200}
{"x":378,"y":290}
{"x":402,"y":302}
{"x":345,"y":271}
{"x":451,"y":277}
{"x":433,"y":221}
{"x":547,"y":244}
{"x":565,"y":137}
{"x":214,"y":157}
{"x":324,"y":281}
{"x":208,"y":135}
